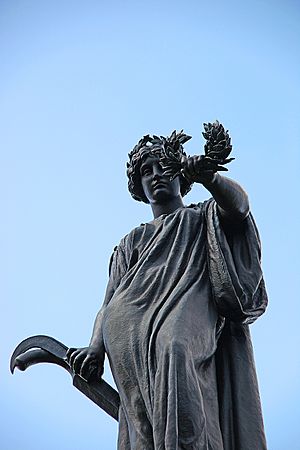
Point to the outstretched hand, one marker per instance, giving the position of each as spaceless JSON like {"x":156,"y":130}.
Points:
{"x":198,"y":169}
{"x":86,"y":362}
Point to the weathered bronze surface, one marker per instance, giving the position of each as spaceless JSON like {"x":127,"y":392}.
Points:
{"x":182,"y":290}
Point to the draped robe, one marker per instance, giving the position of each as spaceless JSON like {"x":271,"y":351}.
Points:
{"x":181,"y":293}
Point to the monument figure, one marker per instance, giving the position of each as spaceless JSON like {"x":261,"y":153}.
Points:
{"x":182,"y":290}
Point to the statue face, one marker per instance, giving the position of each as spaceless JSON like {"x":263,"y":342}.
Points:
{"x":157,"y":187}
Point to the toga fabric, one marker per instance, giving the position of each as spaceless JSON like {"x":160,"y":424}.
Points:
{"x":181,"y":293}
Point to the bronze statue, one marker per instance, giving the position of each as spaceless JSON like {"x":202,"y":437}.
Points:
{"x":174,"y":323}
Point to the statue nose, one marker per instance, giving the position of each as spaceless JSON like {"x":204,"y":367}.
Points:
{"x":157,"y":172}
{"x":157,"y":176}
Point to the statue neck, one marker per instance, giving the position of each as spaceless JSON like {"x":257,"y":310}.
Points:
{"x":166,"y":208}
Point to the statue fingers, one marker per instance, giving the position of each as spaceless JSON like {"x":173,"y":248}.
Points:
{"x":77,"y":362}
{"x":71,"y":355}
{"x":204,"y":164}
{"x":195,"y":163}
{"x":188,"y":169}
{"x":185,"y":172}
{"x":221,"y":169}
{"x":87,"y":366}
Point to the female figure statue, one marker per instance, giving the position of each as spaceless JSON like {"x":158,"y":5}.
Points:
{"x":174,"y":323}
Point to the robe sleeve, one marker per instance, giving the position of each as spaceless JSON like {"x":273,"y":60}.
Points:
{"x":117,"y":268}
{"x":239,"y":292}
{"x":234,"y":259}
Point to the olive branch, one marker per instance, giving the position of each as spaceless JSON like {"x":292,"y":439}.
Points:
{"x":217,"y":148}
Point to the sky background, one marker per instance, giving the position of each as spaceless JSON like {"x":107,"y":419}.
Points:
{"x":81,"y":82}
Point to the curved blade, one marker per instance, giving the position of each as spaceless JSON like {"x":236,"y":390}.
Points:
{"x":36,"y":356}
{"x":47,"y":343}
{"x":40,"y":348}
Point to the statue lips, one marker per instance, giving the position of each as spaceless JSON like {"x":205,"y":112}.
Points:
{"x":159,"y":185}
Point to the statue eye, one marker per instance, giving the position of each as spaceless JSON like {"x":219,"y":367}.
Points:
{"x":146,"y":171}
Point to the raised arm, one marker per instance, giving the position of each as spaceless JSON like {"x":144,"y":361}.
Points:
{"x":232,"y":200}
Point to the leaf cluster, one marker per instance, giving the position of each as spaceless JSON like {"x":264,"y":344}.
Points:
{"x":218,"y":145}
{"x":173,"y":153}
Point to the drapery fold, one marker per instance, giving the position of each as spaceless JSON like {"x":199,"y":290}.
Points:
{"x":239,"y":292}
{"x":182,"y":290}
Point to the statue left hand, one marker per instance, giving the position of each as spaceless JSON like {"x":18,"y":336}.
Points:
{"x":198,"y":169}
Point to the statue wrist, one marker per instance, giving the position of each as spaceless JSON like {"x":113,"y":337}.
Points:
{"x":97,"y":347}
{"x":214,"y":180}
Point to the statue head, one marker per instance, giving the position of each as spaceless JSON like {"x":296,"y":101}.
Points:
{"x":154,"y":146}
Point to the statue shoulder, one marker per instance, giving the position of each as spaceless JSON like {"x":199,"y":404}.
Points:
{"x":122,"y":251}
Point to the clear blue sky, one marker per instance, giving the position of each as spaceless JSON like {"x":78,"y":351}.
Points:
{"x":81,"y":82}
